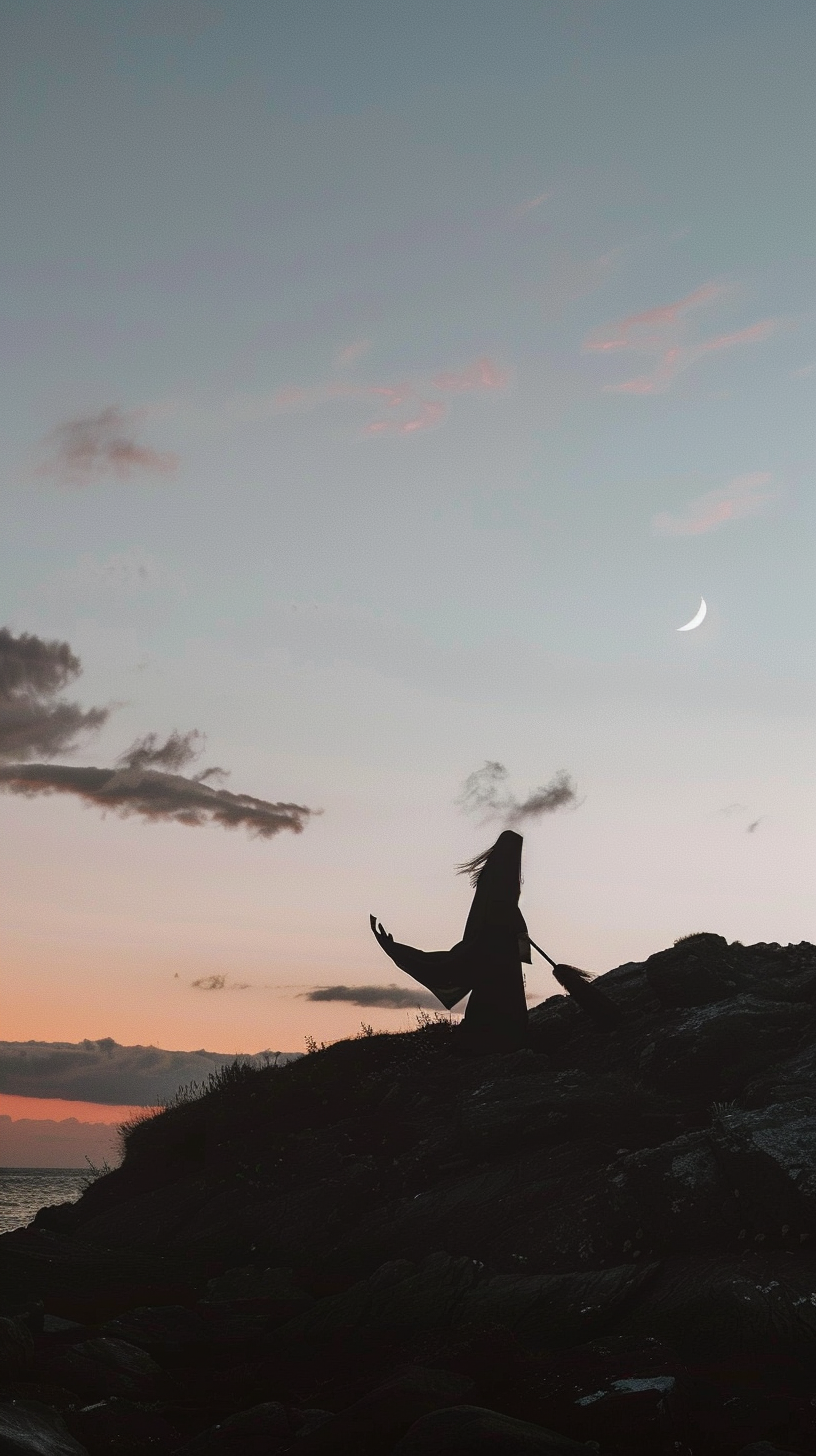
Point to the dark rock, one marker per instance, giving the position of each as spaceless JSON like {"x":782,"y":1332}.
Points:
{"x":717,"y":1047}
{"x":260,"y":1431}
{"x":124,"y":1428}
{"x":785,"y":1080}
{"x":146,"y":1222}
{"x":675,"y":1196}
{"x":554,"y":1310}
{"x":102,"y":1367}
{"x":770,"y":1155}
{"x":405,"y":1298}
{"x":310,"y":1419}
{"x":695,"y":972}
{"x":372,"y":1424}
{"x":171,"y":1332}
{"x":399,"y":1296}
{"x":55,"y":1397}
{"x":60,"y":1217}
{"x":716,"y":1308}
{"x":553,"y":1023}
{"x":509,"y":1109}
{"x":27,"y":1312}
{"x":763,"y":1448}
{"x":616,"y":1389}
{"x":249,"y":1300}
{"x":16,"y":1347}
{"x":30,"y":1429}
{"x":469,"y":1430}
{"x":81,"y":1282}
{"x":249,"y":1282}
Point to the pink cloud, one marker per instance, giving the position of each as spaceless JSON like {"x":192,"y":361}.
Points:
{"x":483,"y":374}
{"x":352,"y":353}
{"x":529,"y":206}
{"x":290,"y":396}
{"x":754,"y":334}
{"x":745,"y":495}
{"x":392,"y":394}
{"x":659,"y":331}
{"x":92,"y":447}
{"x":627,"y":333}
{"x":431,"y":412}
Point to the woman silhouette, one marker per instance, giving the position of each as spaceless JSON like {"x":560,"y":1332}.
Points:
{"x":487,"y":960}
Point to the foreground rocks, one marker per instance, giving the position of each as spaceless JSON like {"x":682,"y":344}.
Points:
{"x":608,"y":1238}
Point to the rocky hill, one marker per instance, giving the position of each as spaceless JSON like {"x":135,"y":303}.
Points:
{"x":389,"y":1245}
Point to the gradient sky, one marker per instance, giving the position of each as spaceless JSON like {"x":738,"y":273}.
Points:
{"x":459,"y":349}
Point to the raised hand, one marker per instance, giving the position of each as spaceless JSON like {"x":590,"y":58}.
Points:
{"x":385,"y":940}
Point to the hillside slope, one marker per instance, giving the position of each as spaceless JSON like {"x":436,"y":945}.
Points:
{"x":608,"y":1234}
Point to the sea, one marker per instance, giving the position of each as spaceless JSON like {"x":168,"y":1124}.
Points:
{"x":25,"y":1190}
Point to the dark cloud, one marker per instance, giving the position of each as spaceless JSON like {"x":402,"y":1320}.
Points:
{"x":33,"y":719}
{"x":394,"y":998}
{"x":219,"y":983}
{"x":95,"y":446}
{"x":484,"y":792}
{"x":103,"y":1071}
{"x":177,"y":752}
{"x":157,"y":796}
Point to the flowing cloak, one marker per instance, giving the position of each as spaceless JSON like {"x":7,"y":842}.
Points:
{"x":487,"y":960}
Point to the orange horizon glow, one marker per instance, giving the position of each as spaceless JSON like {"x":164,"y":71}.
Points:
{"x":58,"y":1109}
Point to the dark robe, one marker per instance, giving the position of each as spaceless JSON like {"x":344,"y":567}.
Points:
{"x":487,"y":960}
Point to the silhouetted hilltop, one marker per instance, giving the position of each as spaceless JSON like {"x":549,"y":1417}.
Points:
{"x":607,"y":1234}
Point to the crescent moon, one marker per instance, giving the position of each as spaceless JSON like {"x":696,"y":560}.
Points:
{"x":696,"y":619}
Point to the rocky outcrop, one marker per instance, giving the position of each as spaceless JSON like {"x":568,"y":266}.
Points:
{"x":608,"y":1237}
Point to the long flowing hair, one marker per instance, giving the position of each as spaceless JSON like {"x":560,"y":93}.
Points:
{"x":473,"y":867}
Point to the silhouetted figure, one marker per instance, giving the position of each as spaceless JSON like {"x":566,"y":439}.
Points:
{"x":487,"y":960}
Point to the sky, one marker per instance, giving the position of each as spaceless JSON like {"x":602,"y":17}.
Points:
{"x":383,"y":386}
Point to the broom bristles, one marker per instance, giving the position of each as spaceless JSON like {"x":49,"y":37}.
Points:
{"x":595,"y":1002}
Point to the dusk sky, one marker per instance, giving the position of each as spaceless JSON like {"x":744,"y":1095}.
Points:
{"x":384,"y":385}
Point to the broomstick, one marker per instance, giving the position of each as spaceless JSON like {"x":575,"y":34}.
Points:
{"x":580,"y":985}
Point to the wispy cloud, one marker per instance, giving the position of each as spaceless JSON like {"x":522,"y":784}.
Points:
{"x":418,"y":400}
{"x":219,"y":983}
{"x":428,"y":412}
{"x":745,"y":495}
{"x":485,"y":792}
{"x":483,"y":374}
{"x":661,"y":332}
{"x":95,"y":447}
{"x":637,"y":329}
{"x":391,"y":997}
{"x":178,"y":751}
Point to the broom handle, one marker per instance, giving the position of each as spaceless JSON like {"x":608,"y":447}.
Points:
{"x":542,"y":952}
